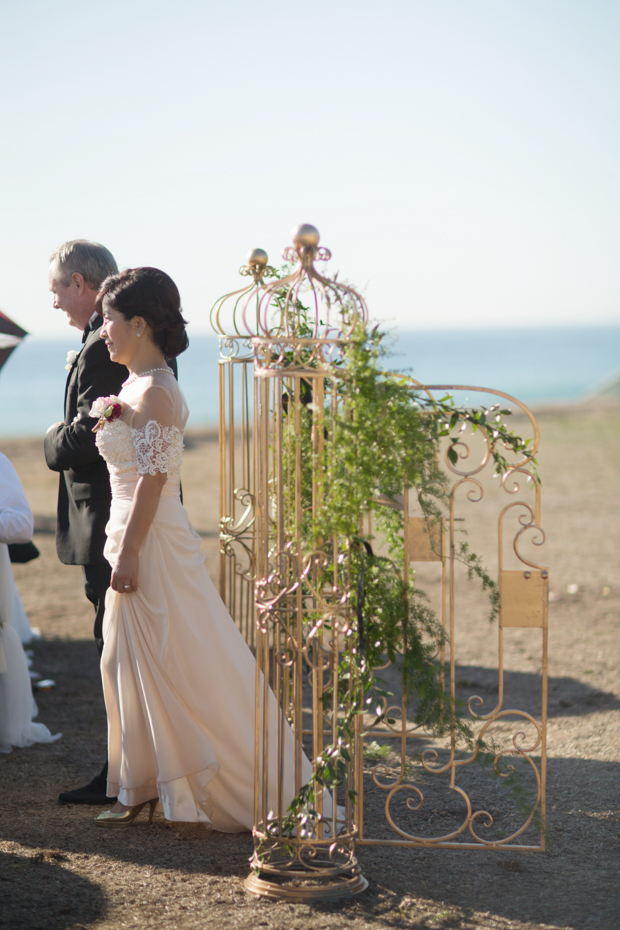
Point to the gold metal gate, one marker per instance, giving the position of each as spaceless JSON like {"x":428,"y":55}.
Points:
{"x":512,"y":741}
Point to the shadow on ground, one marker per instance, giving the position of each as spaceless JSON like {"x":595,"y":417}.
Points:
{"x":63,"y":872}
{"x":35,"y":891}
{"x":408,"y":886}
{"x":567,"y":697}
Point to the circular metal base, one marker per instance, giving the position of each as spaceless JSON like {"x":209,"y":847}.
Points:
{"x":295,"y":891}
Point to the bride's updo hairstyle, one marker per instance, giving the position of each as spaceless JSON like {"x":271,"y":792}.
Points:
{"x":153,"y":295}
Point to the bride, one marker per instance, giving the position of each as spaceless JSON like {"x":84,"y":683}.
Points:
{"x":178,"y":677}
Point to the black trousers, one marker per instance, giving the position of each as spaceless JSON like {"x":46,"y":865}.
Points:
{"x":96,"y":583}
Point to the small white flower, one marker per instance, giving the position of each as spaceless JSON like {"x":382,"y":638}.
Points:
{"x":98,"y":407}
{"x":71,"y":357}
{"x":104,"y":406}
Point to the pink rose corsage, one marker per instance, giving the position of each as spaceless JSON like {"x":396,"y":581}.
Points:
{"x":106,"y":409}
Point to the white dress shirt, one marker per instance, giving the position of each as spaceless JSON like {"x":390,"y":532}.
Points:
{"x":16,"y":520}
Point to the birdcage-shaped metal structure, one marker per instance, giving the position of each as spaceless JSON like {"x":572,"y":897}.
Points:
{"x":234,"y":317}
{"x":291,"y":593}
{"x":303,"y":625}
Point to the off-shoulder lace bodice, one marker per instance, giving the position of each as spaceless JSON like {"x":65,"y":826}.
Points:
{"x":148,"y":438}
{"x":152,"y":448}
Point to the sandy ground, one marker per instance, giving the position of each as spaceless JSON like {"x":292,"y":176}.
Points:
{"x":58,"y":871}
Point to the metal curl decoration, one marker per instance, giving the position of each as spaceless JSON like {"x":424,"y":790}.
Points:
{"x":493,"y":717}
{"x":318,"y":665}
{"x":515,"y":488}
{"x":504,"y":841}
{"x":540,"y":541}
{"x":232,"y":527}
{"x":461,"y":444}
{"x":431,"y":755}
{"x":509,"y":770}
{"x":409,"y":802}
{"x":421,"y":840}
{"x":247,"y":573}
{"x":313,"y":855}
{"x":471,"y":493}
{"x":395,"y":714}
{"x":230,"y":347}
{"x":489,"y":822}
{"x":285,"y":655}
{"x":277,"y":580}
{"x":531,"y":524}
{"x":289,"y":253}
{"x":382,"y":768}
{"x":470,"y":701}
{"x":522,"y":735}
{"x":229,"y":546}
{"x":255,"y":271}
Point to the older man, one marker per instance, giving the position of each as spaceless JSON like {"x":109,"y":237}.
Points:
{"x":77,"y":269}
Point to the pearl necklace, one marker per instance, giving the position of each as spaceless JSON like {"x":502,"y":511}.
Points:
{"x":143,"y":374}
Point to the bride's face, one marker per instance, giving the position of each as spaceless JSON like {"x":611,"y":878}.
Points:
{"x":122,"y":336}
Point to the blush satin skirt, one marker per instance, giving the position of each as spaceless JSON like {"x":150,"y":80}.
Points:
{"x":179,"y":681}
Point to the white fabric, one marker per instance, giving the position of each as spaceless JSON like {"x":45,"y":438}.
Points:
{"x":16,"y":526}
{"x":17,"y":705}
{"x":7,"y":587}
{"x":178,"y":676}
{"x":16,"y":520}
{"x":12,"y":611}
{"x":19,"y":620}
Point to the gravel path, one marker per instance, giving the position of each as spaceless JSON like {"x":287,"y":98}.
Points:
{"x":57,"y":871}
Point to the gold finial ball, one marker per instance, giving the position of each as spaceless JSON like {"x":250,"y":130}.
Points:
{"x":257,"y":257}
{"x":306,"y":235}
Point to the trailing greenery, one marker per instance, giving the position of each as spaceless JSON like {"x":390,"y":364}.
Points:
{"x":378,"y":433}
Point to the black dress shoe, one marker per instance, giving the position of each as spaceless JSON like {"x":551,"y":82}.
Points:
{"x":92,"y":793}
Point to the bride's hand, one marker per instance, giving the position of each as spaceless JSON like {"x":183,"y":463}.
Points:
{"x":125,"y":575}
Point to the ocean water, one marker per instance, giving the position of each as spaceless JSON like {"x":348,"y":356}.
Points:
{"x":534,"y":365}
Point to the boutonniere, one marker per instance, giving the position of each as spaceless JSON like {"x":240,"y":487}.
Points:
{"x":71,"y":357}
{"x":106,"y":409}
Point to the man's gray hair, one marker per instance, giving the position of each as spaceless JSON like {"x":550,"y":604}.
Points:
{"x":90,"y":259}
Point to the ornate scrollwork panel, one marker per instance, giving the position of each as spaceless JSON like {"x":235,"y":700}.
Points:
{"x":431,"y":783}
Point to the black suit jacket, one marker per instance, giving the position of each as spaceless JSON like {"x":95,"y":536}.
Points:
{"x":84,"y":488}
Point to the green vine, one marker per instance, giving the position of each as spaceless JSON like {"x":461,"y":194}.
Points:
{"x":380,"y":432}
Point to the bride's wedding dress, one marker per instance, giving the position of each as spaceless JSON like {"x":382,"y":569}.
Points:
{"x":178,"y":677}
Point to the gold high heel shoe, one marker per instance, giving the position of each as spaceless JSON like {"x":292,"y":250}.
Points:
{"x":124,"y":818}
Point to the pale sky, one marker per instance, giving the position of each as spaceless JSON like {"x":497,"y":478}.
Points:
{"x":459,"y":157}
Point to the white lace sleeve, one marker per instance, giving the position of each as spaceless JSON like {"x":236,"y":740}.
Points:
{"x":158,"y":449}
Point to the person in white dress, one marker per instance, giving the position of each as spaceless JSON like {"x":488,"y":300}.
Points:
{"x":17,"y":705}
{"x":178,"y":677}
